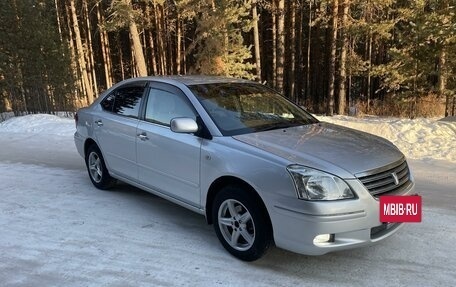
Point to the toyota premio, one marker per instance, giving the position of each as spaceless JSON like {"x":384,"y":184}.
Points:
{"x":261,"y":169}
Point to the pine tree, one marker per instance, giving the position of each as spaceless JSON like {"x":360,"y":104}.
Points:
{"x":34,"y":65}
{"x":124,"y":15}
{"x":218,"y":44}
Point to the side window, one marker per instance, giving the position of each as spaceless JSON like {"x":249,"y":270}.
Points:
{"x":108,"y":103}
{"x":163,"y":106}
{"x":127,"y":101}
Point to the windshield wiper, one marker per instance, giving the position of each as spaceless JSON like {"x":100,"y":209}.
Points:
{"x":275,"y":126}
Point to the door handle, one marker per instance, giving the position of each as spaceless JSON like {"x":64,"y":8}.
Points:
{"x":143,"y":136}
{"x":99,"y":123}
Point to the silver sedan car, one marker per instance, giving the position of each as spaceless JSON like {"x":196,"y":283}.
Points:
{"x":261,"y":169}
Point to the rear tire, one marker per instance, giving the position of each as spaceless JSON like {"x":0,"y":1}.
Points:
{"x":97,"y":170}
{"x":241,"y":224}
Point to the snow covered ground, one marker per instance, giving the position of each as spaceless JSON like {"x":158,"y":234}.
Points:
{"x":56,"y":229}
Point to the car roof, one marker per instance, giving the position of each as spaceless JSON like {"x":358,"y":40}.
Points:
{"x":189,"y":80}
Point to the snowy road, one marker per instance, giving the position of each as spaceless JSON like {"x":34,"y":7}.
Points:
{"x":56,"y":229}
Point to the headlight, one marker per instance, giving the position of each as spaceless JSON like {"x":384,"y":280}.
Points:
{"x":313,"y":184}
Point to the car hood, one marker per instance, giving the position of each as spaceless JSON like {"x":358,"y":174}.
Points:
{"x":326,"y":146}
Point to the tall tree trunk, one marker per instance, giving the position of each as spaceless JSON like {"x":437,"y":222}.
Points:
{"x":152,"y":53}
{"x":343,"y":59}
{"x":369,"y":67}
{"x":292,"y":54}
{"x":184,"y":50}
{"x":299,"y":53}
{"x":178,"y":46}
{"x":280,"y":44}
{"x":90,"y":58}
{"x":73,"y":57}
{"x":151,"y":39}
{"x":121,"y":58}
{"x":309,"y":42}
{"x":134,"y":70}
{"x":351,"y":100}
{"x":137,"y":47}
{"x":80,"y":54}
{"x":317,"y":89}
{"x":274,"y":45}
{"x":443,"y":69}
{"x":256,"y":41}
{"x":140,"y":62}
{"x":168,"y":33}
{"x":138,"y":50}
{"x":332,"y":58}
{"x":105,"y":50}
{"x":18,"y":66}
{"x":59,"y":25}
{"x":160,"y":46}
{"x":369,"y":42}
{"x":443,"y":80}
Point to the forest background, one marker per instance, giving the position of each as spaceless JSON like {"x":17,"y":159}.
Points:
{"x":383,"y":57}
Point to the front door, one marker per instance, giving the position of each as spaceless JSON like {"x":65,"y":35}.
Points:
{"x":168,"y":162}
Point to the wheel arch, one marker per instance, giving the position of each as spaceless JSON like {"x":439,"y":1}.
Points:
{"x":224,"y":181}
{"x":87,"y":144}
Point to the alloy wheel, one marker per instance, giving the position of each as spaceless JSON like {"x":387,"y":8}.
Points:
{"x":95,"y":168}
{"x":236,"y":225}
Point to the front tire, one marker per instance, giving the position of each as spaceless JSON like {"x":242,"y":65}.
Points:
{"x":96,"y":167}
{"x":241,"y":224}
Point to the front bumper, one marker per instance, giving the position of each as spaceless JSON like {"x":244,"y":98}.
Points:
{"x":352,"y":223}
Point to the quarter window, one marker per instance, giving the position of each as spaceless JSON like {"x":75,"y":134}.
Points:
{"x":108,"y":103}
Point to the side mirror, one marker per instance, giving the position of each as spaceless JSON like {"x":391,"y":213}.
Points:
{"x":184,"y":125}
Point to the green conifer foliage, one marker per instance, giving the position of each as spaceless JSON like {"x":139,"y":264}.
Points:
{"x":34,"y":63}
{"x":219,"y":45}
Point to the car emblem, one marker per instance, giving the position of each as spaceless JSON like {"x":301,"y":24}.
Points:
{"x":395,"y":178}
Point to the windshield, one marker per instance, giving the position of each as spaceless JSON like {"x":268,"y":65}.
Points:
{"x":240,"y":108}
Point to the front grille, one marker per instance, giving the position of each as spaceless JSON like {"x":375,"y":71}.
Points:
{"x":387,"y":181}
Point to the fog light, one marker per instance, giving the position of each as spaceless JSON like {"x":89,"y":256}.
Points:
{"x":323,"y":238}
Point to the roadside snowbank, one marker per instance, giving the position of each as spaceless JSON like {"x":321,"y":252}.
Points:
{"x":418,"y":138}
{"x":39,"y":124}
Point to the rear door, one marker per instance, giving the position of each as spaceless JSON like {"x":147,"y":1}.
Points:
{"x":168,"y":162}
{"x":115,"y":129}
